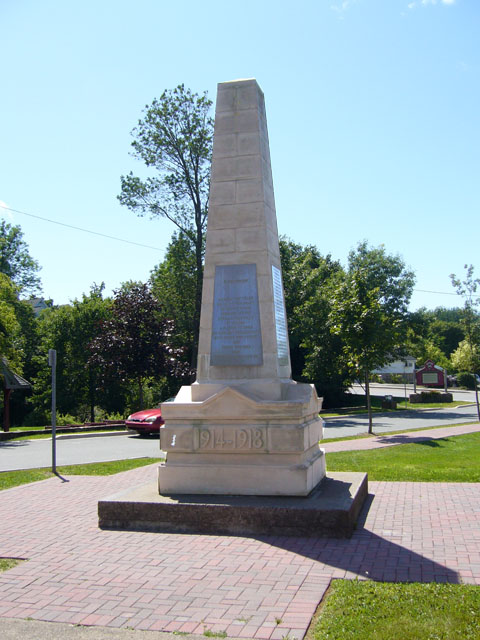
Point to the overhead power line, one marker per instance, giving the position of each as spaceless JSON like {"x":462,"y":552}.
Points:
{"x":146,"y":246}
{"x":443,"y":293}
{"x":71,"y":226}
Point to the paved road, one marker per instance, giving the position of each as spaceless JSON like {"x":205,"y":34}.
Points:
{"x":409,"y":419}
{"x":31,"y":454}
{"x":398,"y":390}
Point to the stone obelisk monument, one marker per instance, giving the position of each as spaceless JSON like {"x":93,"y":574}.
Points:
{"x":244,"y":427}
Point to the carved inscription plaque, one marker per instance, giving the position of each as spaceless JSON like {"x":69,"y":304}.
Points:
{"x":280,"y":319}
{"x":248,"y":440}
{"x":236,"y":333}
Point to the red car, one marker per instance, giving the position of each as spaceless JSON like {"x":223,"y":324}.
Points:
{"x":145,"y":422}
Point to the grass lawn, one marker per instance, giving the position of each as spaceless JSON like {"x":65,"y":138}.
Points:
{"x":361,"y":610}
{"x":452,"y":459}
{"x":377,"y":408}
{"x":9,"y":479}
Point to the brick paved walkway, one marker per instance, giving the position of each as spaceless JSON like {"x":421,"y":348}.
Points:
{"x":256,"y":588}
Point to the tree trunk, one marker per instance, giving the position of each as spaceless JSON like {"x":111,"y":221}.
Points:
{"x":369,"y":402}
{"x":140,"y":393}
{"x":91,"y":394}
{"x":6,"y":409}
{"x":476,"y":399}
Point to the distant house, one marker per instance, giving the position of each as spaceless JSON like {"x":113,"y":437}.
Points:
{"x":402,"y":366}
{"x":38,"y":305}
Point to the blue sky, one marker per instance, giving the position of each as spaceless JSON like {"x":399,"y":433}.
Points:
{"x":373,"y":115}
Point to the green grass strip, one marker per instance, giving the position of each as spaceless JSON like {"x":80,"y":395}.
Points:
{"x":452,"y":459}
{"x":352,"y":411}
{"x":357,"y":610}
{"x":9,"y":563}
{"x":9,"y":479}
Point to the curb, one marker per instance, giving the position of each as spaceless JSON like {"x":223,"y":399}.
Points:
{"x":101,"y":434}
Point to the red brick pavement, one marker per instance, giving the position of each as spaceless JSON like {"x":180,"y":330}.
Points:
{"x":253,"y":588}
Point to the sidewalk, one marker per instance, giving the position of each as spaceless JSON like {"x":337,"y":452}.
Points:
{"x":385,"y":440}
{"x":265,"y":588}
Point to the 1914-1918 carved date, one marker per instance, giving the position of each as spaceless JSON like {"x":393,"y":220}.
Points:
{"x":237,"y":439}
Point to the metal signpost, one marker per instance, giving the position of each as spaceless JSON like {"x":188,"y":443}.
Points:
{"x":52,"y":361}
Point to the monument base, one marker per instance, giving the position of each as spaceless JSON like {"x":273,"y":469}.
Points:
{"x":250,"y":438}
{"x":331,"y":510}
{"x":262,"y":478}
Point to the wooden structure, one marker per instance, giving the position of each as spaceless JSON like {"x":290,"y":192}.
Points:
{"x":11,"y":382}
{"x":431,"y":375}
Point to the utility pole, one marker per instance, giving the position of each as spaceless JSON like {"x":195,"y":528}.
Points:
{"x":52,"y":361}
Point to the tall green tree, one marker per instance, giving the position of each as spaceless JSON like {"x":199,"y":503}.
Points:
{"x":69,"y":329}
{"x":173,"y":283}
{"x":370,"y":310}
{"x":10,"y":329}
{"x":466,"y":358}
{"x":175,"y":139}
{"x":316,"y":354}
{"x":134,"y":343}
{"x":15,"y":260}
{"x":470,"y":318}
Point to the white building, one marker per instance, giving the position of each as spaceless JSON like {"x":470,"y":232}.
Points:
{"x":402,"y":366}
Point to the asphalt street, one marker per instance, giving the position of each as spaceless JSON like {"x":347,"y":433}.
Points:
{"x":400,"y":391}
{"x":79,"y":449}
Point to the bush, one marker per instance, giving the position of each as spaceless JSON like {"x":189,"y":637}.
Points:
{"x":65,"y":419}
{"x":101,"y":415}
{"x":430,"y":397}
{"x":466,"y":380}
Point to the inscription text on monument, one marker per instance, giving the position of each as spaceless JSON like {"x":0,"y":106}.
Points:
{"x":280,"y":319}
{"x":236,"y":333}
{"x":220,"y":439}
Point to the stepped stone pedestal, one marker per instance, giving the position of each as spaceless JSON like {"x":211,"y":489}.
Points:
{"x":245,"y":427}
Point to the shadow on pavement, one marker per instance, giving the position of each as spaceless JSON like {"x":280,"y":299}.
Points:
{"x":60,"y":477}
{"x":13,"y":444}
{"x":367,"y":555}
{"x":430,"y":441}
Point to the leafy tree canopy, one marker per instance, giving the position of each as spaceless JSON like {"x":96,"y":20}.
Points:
{"x":16,"y":262}
{"x":173,"y":283}
{"x":10,"y":334}
{"x":468,"y":288}
{"x":134,"y":343}
{"x":370,"y":306}
{"x":465,"y":358}
{"x":175,"y":139}
{"x":69,"y":329}
{"x":316,"y":354}
{"x":370,"y":309}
